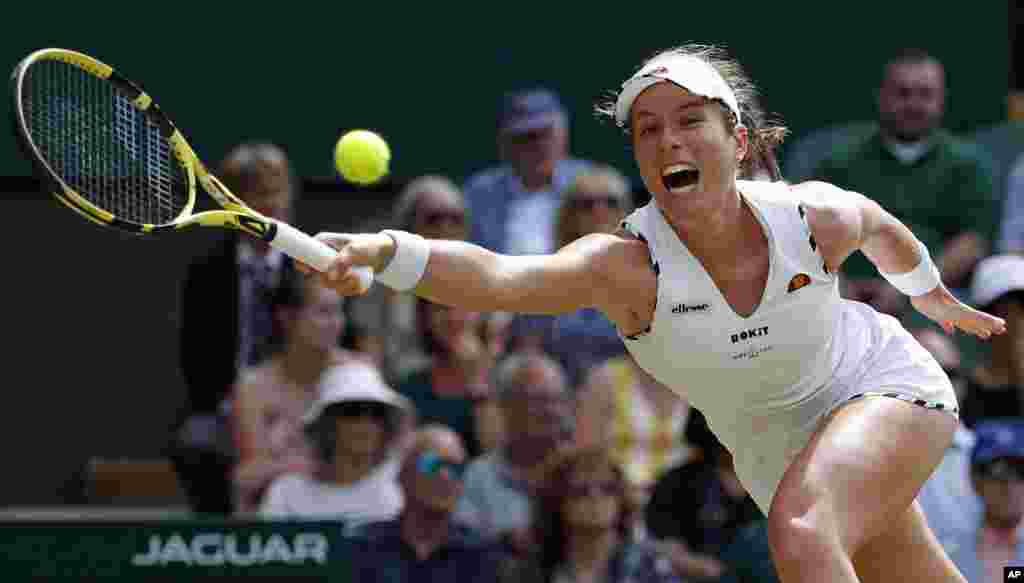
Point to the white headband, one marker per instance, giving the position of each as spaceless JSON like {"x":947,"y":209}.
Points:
{"x":692,"y":73}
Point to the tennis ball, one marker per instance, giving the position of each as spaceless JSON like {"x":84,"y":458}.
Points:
{"x":362,"y":156}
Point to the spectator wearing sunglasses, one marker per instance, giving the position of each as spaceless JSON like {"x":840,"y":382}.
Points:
{"x":595,"y":202}
{"x":997,"y":473}
{"x":357,"y":428}
{"x":423,"y":544}
{"x":433,"y":207}
{"x":583,"y":519}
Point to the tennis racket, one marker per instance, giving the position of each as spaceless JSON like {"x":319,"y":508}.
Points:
{"x":105,"y":149}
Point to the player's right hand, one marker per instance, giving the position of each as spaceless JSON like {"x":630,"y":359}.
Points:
{"x":373,"y":250}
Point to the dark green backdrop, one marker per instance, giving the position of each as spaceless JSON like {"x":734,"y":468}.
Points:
{"x":104,"y":380}
{"x":428,"y":76}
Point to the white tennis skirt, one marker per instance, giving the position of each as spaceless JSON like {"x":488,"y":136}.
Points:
{"x":876,"y":357}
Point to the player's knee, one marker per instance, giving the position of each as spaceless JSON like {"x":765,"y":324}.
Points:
{"x":795,"y":539}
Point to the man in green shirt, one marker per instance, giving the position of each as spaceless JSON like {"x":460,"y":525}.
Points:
{"x":937,"y":184}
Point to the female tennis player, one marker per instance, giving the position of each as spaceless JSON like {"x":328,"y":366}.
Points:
{"x":726,"y":290}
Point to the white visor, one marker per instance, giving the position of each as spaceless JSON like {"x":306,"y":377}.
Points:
{"x":691,"y":73}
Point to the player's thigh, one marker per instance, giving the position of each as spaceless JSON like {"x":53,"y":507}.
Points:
{"x":862,"y":466}
{"x":906,"y":550}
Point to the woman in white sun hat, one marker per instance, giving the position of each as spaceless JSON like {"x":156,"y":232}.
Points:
{"x":725,"y":290}
{"x":358,"y":427}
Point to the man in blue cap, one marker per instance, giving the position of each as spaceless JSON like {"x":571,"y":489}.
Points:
{"x":997,"y":473}
{"x":513,"y":205}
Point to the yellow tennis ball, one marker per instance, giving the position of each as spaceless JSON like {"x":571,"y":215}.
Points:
{"x":362,"y":156}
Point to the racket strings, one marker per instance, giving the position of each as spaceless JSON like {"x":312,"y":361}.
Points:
{"x":101,"y":145}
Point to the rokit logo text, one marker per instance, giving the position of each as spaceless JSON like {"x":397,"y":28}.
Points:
{"x":748,"y":334}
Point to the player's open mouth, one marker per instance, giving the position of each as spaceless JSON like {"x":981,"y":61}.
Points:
{"x":680,"y":177}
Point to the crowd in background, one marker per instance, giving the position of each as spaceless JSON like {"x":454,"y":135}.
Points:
{"x":465,"y":446}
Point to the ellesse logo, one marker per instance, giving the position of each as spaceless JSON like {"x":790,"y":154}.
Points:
{"x":688,"y":308}
{"x":800,"y":280}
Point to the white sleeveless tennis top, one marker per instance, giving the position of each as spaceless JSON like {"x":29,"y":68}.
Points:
{"x":764,"y":381}
{"x":720,"y":360}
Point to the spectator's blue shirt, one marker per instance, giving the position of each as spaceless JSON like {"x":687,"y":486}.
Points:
{"x":492,"y":194}
{"x":493,"y":502}
{"x":380,"y":555}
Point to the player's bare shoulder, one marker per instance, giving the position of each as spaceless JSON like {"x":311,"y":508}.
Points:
{"x":613,"y":254}
{"x":815,"y":193}
{"x":833,"y":216}
{"x":615,"y":273}
{"x":624,"y":265}
{"x":634,"y":247}
{"x":626,"y":260}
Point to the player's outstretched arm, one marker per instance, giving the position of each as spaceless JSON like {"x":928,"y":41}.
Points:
{"x":844,"y":222}
{"x":467,"y":275}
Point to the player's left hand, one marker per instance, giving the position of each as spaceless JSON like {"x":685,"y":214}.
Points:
{"x":950,"y":313}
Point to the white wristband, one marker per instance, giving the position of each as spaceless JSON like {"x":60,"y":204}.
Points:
{"x":920,"y":280}
{"x":409,"y":263}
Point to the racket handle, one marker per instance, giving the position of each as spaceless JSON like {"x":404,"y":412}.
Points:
{"x":312,"y":252}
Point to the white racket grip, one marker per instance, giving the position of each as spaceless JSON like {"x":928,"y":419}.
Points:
{"x":313,"y":252}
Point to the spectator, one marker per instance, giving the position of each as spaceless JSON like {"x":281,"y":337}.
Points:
{"x":583,"y":517}
{"x":269,"y":400}
{"x":534,"y":400}
{"x":453,"y":387}
{"x":226,"y":324}
{"x":433,"y":207}
{"x":940,"y":186}
{"x":994,"y":388}
{"x":357,"y":427}
{"x":596,"y":202}
{"x":641,"y":420}
{"x":997,"y":472}
{"x":424,"y":544}
{"x":513,"y":205}
{"x":805,"y":154}
{"x":698,"y":510}
{"x":947,"y":498}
